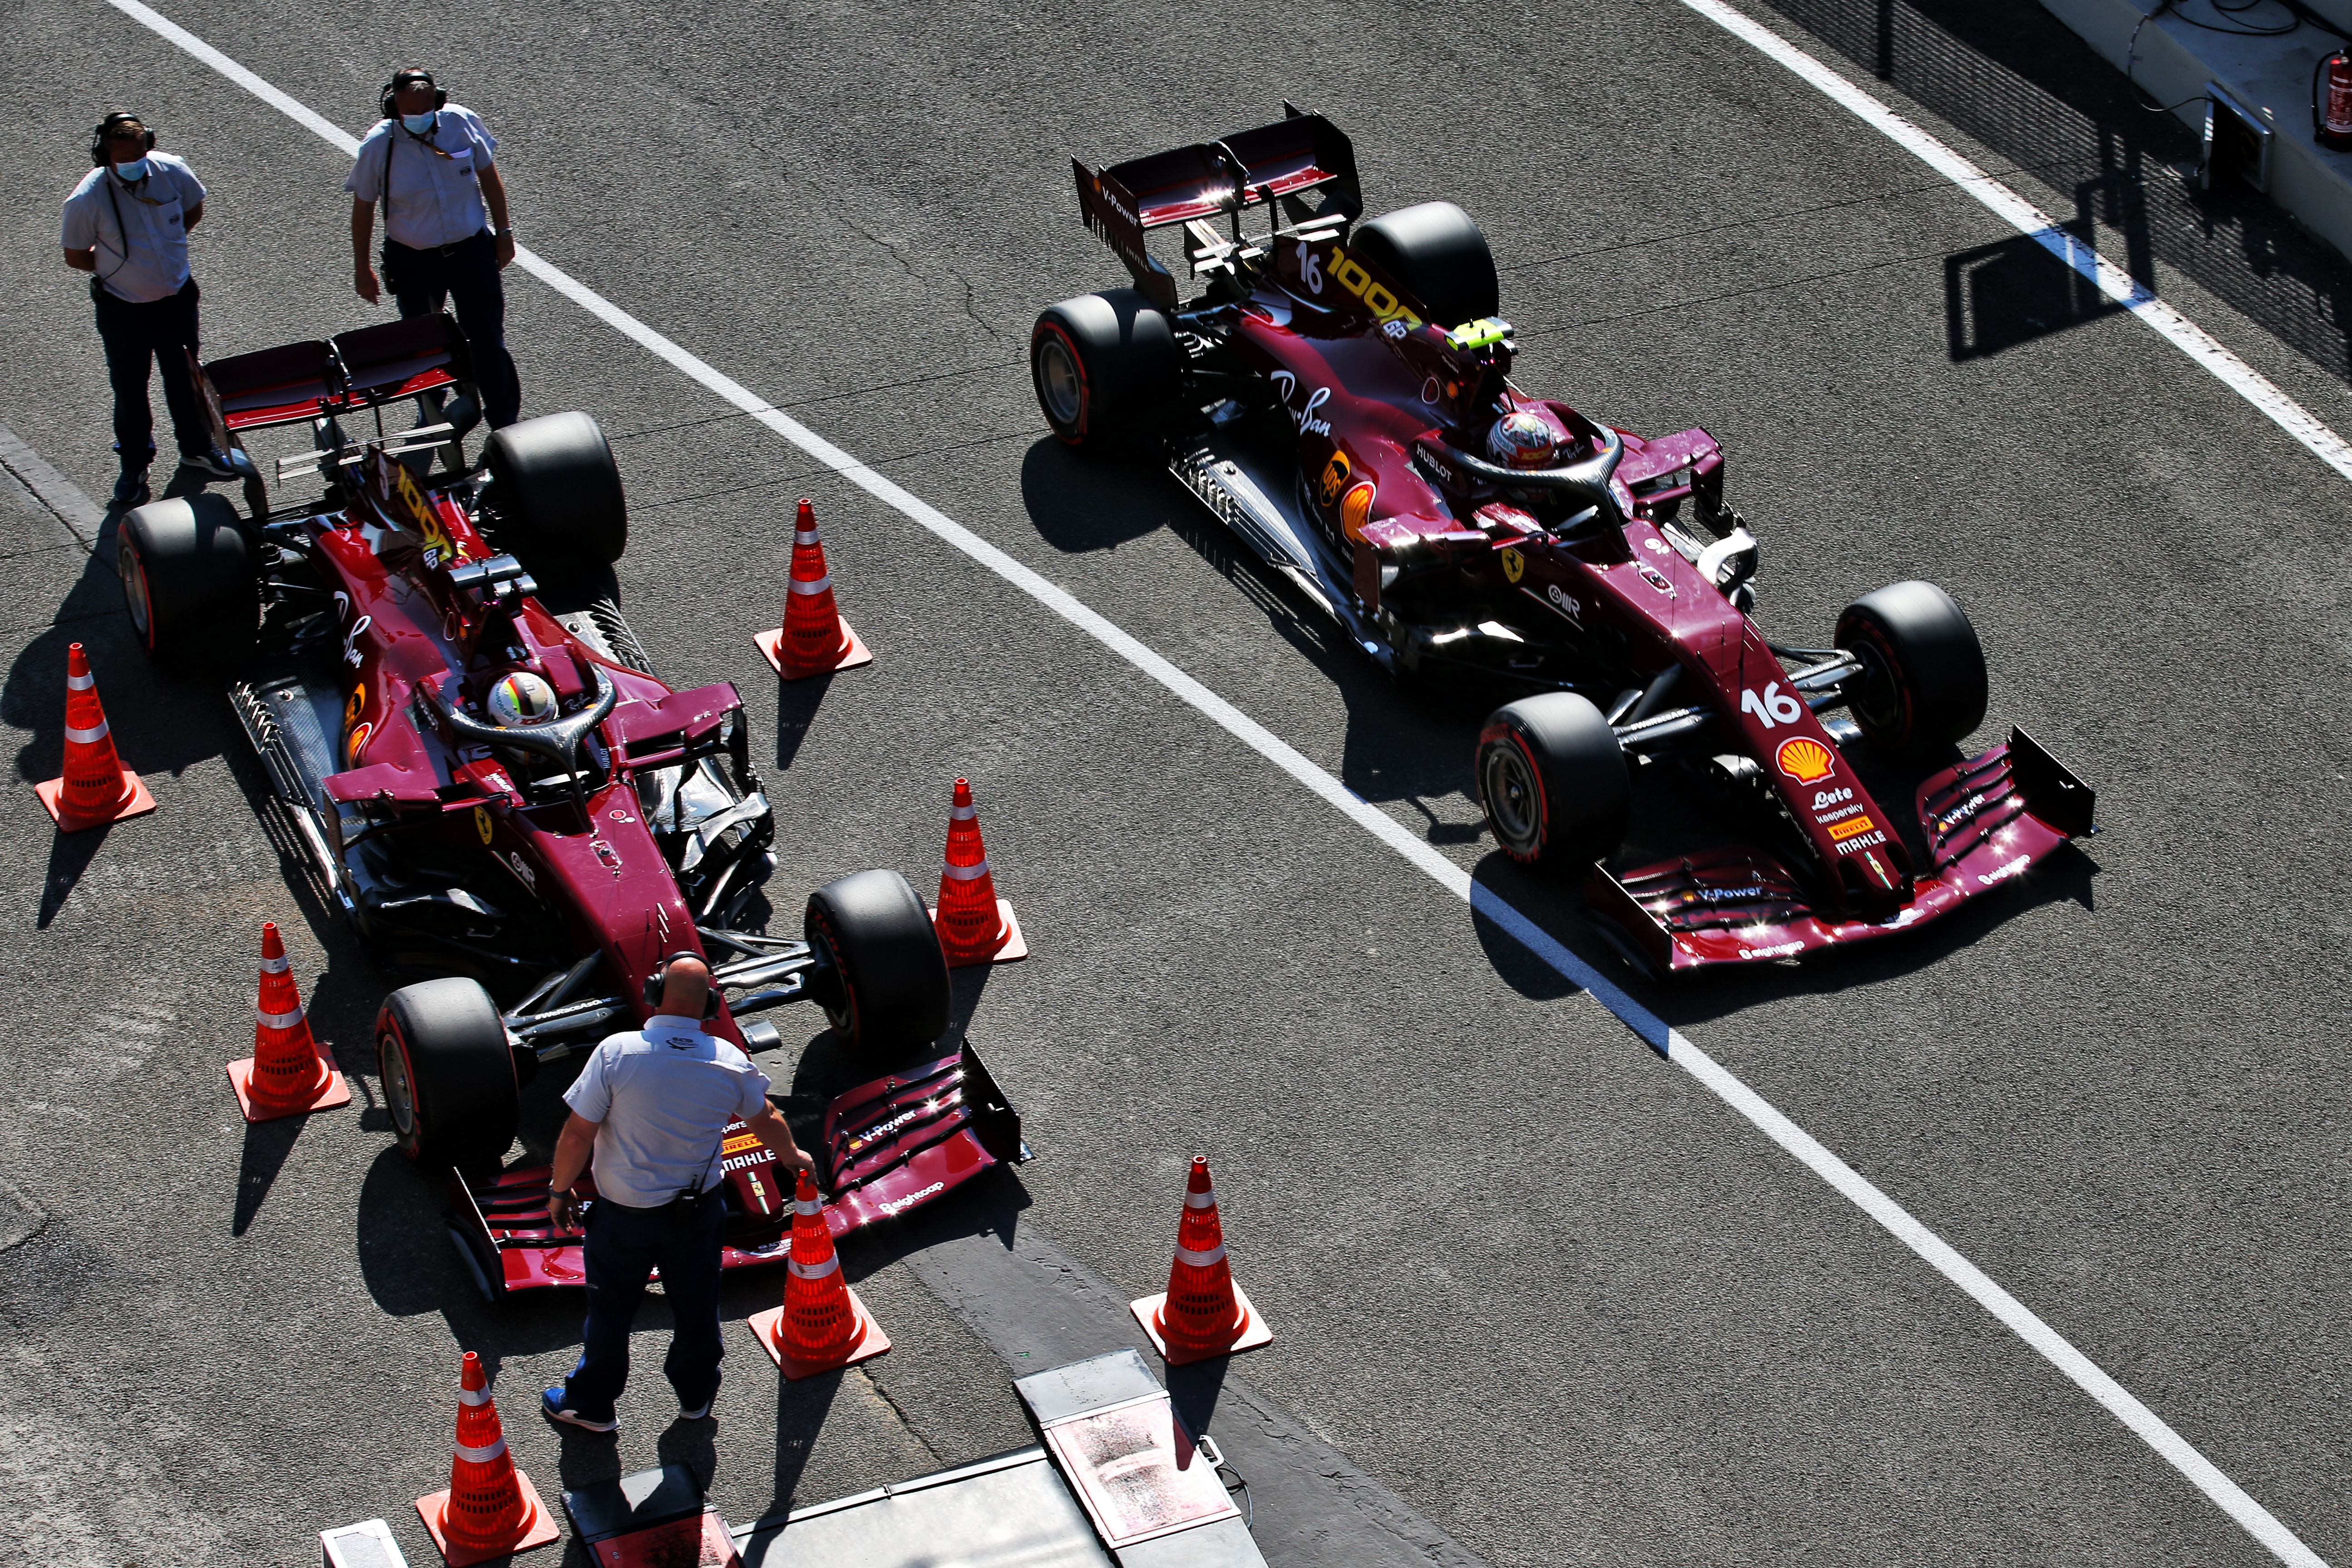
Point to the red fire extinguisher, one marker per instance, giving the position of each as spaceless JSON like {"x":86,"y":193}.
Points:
{"x":2331,"y":102}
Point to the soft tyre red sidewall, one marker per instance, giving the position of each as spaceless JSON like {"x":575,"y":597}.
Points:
{"x":1076,"y":435}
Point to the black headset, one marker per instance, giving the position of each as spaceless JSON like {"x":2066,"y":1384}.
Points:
{"x":660,"y":977}
{"x":103,"y":132}
{"x":409,"y":78}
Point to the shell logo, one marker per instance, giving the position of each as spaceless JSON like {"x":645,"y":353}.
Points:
{"x":1805,"y":760}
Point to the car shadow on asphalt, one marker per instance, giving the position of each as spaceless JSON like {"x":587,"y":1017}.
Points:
{"x":1406,"y":739}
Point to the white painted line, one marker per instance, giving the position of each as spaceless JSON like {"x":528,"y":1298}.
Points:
{"x":2037,"y":225}
{"x":1482,"y":900}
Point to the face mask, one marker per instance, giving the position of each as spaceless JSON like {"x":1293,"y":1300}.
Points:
{"x":132,"y":172}
{"x":418,"y":125}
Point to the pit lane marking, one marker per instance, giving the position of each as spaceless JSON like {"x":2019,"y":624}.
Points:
{"x":1667,"y":1041}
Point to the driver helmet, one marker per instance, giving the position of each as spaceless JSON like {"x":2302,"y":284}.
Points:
{"x":521,"y":700}
{"x":1523,"y":438}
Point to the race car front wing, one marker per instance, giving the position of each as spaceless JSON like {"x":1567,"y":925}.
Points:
{"x":1986,"y":822}
{"x":886,"y":1148}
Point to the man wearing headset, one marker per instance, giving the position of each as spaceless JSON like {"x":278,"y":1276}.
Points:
{"x":428,"y":161}
{"x":127,"y":225}
{"x":652,"y":1107}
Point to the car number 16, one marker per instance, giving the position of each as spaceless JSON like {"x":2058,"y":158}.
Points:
{"x":1774,"y":707}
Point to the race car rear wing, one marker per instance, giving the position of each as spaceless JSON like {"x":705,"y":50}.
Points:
{"x":356,"y":370}
{"x":1297,"y":154}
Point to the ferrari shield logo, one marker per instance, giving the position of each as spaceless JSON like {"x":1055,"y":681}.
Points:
{"x":482,"y":822}
{"x":1515,"y":566}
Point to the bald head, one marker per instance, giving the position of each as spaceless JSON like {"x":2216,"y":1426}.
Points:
{"x":686,"y":987}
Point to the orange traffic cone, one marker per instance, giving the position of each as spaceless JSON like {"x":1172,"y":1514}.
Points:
{"x":822,"y":1325}
{"x":813,"y":638}
{"x":975,"y":926}
{"x":95,"y":787}
{"x":1202,"y":1314}
{"x":287,"y":1074}
{"x":490,"y":1509}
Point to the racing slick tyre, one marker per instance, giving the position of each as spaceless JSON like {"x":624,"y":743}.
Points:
{"x":1106,"y":367}
{"x":188,"y":580}
{"x":880,"y":977}
{"x":558,"y":493}
{"x":1440,"y":257}
{"x":1553,"y":782}
{"x":1923,"y":671}
{"x":449,"y":1076}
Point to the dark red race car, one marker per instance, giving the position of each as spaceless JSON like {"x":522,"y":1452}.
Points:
{"x":1337,"y":393}
{"x":512,"y":801}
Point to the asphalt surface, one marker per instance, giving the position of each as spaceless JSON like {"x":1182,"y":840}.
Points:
{"x":1529,"y":1279}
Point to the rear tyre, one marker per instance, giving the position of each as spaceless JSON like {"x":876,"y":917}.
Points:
{"x":1923,"y":671}
{"x":447,"y":1074}
{"x":1553,"y":782}
{"x":188,"y":581}
{"x":558,"y":493}
{"x":1440,"y":257}
{"x":880,"y":977}
{"x":1106,"y":368}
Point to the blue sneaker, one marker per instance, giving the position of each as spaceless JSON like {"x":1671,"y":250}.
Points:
{"x":130,"y":490}
{"x":697,"y":1413}
{"x":553,"y":1405}
{"x":214,"y":464}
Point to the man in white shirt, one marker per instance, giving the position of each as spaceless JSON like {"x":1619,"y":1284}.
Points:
{"x":652,"y":1109}
{"x":127,"y":225}
{"x":429,"y":162}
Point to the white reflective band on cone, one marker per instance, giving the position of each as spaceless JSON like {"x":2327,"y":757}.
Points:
{"x":805,"y":537}
{"x":474,"y":1396}
{"x":482,"y":1456}
{"x":276,"y":966}
{"x":81,"y":682}
{"x":86,"y":737}
{"x":279,"y":1020}
{"x":819,"y":586}
{"x":962,"y":812}
{"x":811,"y":1207}
{"x":1201,"y":1260}
{"x":1207,"y":1200}
{"x":966,"y":873}
{"x":815,"y":1271}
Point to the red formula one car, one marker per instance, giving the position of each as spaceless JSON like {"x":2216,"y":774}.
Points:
{"x":1337,"y":393}
{"x":512,"y":801}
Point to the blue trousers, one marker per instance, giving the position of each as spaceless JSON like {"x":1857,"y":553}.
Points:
{"x":139,"y":338}
{"x":465,"y":278}
{"x":624,"y":1246}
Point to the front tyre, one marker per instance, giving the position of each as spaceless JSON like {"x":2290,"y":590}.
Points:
{"x":447,"y":1074}
{"x":1553,"y":782}
{"x":1923,"y":671}
{"x":188,"y":581}
{"x":1106,"y":368}
{"x":880,"y":975}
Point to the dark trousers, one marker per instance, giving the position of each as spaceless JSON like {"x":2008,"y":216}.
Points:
{"x":625,"y":1245}
{"x":465,"y":278}
{"x":136,"y":337}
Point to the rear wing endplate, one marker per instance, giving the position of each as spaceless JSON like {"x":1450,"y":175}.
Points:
{"x":1296,"y":155}
{"x":362,"y":368}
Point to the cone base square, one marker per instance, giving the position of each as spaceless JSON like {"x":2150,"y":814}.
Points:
{"x":334,"y":1092}
{"x":537,"y":1526}
{"x":852,"y":654}
{"x":137,"y":803}
{"x":1013,"y":948}
{"x":1255,"y":1331}
{"x":870,"y":1341}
